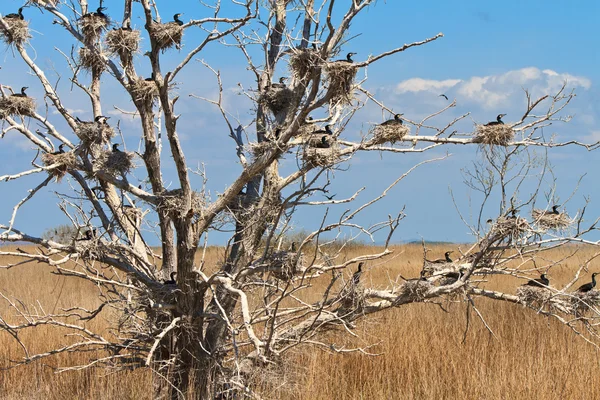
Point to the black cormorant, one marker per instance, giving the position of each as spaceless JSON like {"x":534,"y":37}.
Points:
{"x":588,"y":286}
{"x":293,"y":247}
{"x":101,"y":120}
{"x":61,"y":150}
{"x":348,"y":58}
{"x":356,"y":275}
{"x":396,"y":121}
{"x":498,"y":121}
{"x":151,"y":79}
{"x":88,"y":235}
{"x":115,"y":148}
{"x":281,"y":83}
{"x":327,"y":130}
{"x":172,"y":280}
{"x":323,"y":144}
{"x":541,"y":282}
{"x":99,"y":12}
{"x":177,"y":20}
{"x":444,"y":96}
{"x":554,"y":210}
{"x":18,"y":15}
{"x":444,"y":260}
{"x":22,"y":94}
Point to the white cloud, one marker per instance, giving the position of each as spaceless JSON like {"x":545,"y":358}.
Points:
{"x":420,"y":85}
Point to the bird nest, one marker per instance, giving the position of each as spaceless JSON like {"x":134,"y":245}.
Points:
{"x":389,"y":133}
{"x":143,"y":90}
{"x":431,"y":268}
{"x":285,"y":264}
{"x":322,"y":157}
{"x":92,"y":26}
{"x":258,"y":149}
{"x":115,"y":162}
{"x":17,"y":32}
{"x":93,"y":133}
{"x":17,"y":105}
{"x":66,"y":161}
{"x":166,"y":35}
{"x":582,"y":302}
{"x":277,"y":99}
{"x":536,"y":297}
{"x":494,"y":135}
{"x":415,"y":289}
{"x":548,"y":220}
{"x":123,"y":42}
{"x":171,"y":202}
{"x":302,"y":62}
{"x":514,"y":227}
{"x":91,"y":60}
{"x":340,"y":78}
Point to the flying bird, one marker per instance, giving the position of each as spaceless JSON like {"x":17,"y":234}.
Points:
{"x":444,"y":96}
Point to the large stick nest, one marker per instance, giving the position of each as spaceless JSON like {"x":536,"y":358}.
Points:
{"x":302,"y":62}
{"x":514,"y":227}
{"x":536,"y":297}
{"x":115,"y":162}
{"x":258,"y":149}
{"x":67,"y":161}
{"x":144,"y":90}
{"x":17,"y":32}
{"x":17,"y":105}
{"x":322,"y":157}
{"x":91,"y":60}
{"x":494,"y":135}
{"x":172,"y":202}
{"x":430,"y":268}
{"x":277,"y":99}
{"x":389,"y":133}
{"x":286,"y":264}
{"x":92,"y":26}
{"x":166,"y":35}
{"x":94,"y":133}
{"x":549,"y":220}
{"x":123,"y":42}
{"x":340,"y":79}
{"x":415,"y":289}
{"x":582,"y":302}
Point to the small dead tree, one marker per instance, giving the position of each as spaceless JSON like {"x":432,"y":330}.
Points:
{"x":215,"y":326}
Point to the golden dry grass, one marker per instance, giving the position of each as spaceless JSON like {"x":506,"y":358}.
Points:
{"x":422,"y":356}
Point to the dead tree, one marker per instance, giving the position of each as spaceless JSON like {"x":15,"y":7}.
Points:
{"x":215,"y":326}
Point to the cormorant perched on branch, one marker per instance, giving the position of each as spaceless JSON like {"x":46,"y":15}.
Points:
{"x":541,"y":282}
{"x":498,"y":121}
{"x":281,"y":83}
{"x":99,"y":12}
{"x":554,"y":211}
{"x":588,"y":286}
{"x":444,"y":96}
{"x":356,"y":275}
{"x":172,"y":280}
{"x":60,"y":149}
{"x":396,"y":121}
{"x":88,"y":235}
{"x":327,"y":130}
{"x":151,"y":79}
{"x":18,"y":15}
{"x":444,"y":260}
{"x":348,"y":58}
{"x":177,"y":20}
{"x":22,"y":94}
{"x":115,"y":148}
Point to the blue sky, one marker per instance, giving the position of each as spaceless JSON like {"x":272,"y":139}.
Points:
{"x":489,"y":53}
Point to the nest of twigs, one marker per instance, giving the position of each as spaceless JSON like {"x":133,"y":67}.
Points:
{"x":278,"y":99}
{"x":533,"y":296}
{"x":513,"y":227}
{"x":115,"y":162}
{"x":91,"y":60}
{"x":494,"y":135}
{"x":144,"y":90}
{"x":67,"y":161}
{"x":322,"y":157}
{"x":340,"y":78}
{"x":166,"y":35}
{"x":17,"y":32}
{"x":172,"y":202}
{"x":285,"y":264}
{"x":430,"y":268}
{"x":582,"y":302}
{"x":415,"y":289}
{"x":92,"y":26}
{"x":258,"y":149}
{"x":549,"y":220}
{"x":302,"y":62}
{"x":94,"y":133}
{"x":123,"y":42}
{"x":17,"y":105}
{"x":389,"y":133}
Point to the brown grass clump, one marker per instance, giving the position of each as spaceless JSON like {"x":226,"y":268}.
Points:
{"x":171,"y":201}
{"x":92,"y":27}
{"x":91,"y":60}
{"x":166,"y":35}
{"x":303,"y":61}
{"x":115,"y":162}
{"x":67,"y":161}
{"x":340,"y":78}
{"x":144,"y":90}
{"x":549,"y":220}
{"x":17,"y":105}
{"x":278,"y":99}
{"x":93,"y":133}
{"x":17,"y":32}
{"x":124,"y":43}
{"x":494,"y":135}
{"x":389,"y":133}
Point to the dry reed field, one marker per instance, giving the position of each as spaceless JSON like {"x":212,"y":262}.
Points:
{"x":419,"y":346}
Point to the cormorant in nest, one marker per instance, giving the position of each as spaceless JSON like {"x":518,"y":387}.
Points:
{"x":498,"y":121}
